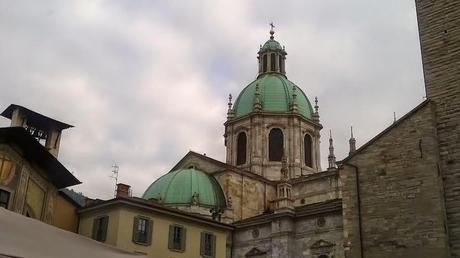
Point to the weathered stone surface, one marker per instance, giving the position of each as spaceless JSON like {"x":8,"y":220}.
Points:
{"x":395,"y":207}
{"x":439,"y":28}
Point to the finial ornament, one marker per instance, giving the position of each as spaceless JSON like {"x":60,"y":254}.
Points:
{"x":257,"y":106}
{"x":316,"y":104}
{"x":229,"y":101}
{"x":331,"y":157}
{"x":230,"y":112}
{"x":272,"y":31}
{"x":352,"y":142}
{"x":316,"y":113}
{"x":294,"y":106}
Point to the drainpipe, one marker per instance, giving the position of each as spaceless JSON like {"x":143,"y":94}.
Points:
{"x":360,"y":226}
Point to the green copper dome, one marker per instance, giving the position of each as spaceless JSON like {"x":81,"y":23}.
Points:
{"x":271,"y":44}
{"x":275,"y":96}
{"x":179,"y":186}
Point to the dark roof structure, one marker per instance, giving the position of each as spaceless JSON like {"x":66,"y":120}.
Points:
{"x":35,"y":119}
{"x":37,"y":154}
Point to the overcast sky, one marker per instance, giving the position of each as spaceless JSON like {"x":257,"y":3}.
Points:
{"x":144,"y":82}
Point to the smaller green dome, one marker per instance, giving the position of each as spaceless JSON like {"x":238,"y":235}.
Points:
{"x":178,"y":187}
{"x":271,"y":44}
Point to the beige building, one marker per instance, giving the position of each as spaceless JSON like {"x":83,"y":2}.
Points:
{"x":147,"y":227}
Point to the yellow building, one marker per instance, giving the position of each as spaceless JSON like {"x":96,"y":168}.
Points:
{"x":146,"y":226}
{"x":30,"y":173}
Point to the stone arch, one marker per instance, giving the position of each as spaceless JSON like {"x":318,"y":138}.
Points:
{"x":308,"y":150}
{"x":241,"y":148}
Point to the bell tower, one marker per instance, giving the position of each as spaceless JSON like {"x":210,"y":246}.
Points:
{"x":272,"y":119}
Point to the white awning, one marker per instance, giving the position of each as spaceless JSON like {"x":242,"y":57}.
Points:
{"x":23,"y":237}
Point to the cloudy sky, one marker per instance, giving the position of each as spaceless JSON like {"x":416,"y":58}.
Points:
{"x":144,"y":82}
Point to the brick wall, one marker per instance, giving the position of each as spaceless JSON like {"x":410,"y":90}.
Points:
{"x":400,"y":209}
{"x":439,"y":27}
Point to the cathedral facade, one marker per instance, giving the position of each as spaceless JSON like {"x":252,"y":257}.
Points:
{"x":394,"y":196}
{"x":271,"y":187}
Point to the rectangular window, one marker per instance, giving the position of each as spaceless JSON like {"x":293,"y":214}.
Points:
{"x":100,"y":225}
{"x":4,"y":198}
{"x":142,"y":230}
{"x":208,"y":245}
{"x":177,"y":238}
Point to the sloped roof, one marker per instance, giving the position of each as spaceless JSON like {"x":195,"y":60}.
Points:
{"x":35,"y":119}
{"x":387,"y":130}
{"x":36,"y":153}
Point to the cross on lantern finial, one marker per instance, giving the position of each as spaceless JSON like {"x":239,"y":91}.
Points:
{"x":272,"y":31}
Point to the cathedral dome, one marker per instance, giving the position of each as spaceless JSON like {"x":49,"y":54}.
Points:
{"x":275,"y":95}
{"x":186,"y":187}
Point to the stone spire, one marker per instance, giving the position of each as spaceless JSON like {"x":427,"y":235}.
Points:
{"x":257,"y":106}
{"x":331,"y":157}
{"x":294,"y":105}
{"x":316,"y":113}
{"x":352,"y":142}
{"x":230,"y":112}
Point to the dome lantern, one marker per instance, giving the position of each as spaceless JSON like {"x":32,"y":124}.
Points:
{"x":271,"y":56}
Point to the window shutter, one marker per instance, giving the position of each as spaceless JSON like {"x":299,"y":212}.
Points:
{"x":183,"y":239}
{"x":202,"y":244}
{"x":105,"y":223}
{"x":171,"y":237}
{"x":149,"y":231}
{"x":95,"y":228}
{"x":213,"y":244}
{"x":135,"y":232}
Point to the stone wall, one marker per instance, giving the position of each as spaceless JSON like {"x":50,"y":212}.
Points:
{"x":247,"y":196}
{"x":439,"y":27}
{"x":290,"y":236}
{"x":392,"y":194}
{"x":316,"y":188}
{"x":257,"y":128}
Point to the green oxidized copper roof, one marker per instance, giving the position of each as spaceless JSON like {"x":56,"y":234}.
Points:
{"x":272,"y":44}
{"x":177,"y":187}
{"x":275,"y":95}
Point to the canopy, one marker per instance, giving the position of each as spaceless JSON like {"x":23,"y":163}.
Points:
{"x":23,"y":237}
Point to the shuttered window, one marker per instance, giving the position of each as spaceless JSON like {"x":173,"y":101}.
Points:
{"x":142,"y":230}
{"x":177,"y":236}
{"x":100,"y":228}
{"x":208,"y":245}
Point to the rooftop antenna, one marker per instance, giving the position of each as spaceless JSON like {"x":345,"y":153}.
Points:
{"x":114,"y":176}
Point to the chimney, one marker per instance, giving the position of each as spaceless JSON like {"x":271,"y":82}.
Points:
{"x":123,"y":190}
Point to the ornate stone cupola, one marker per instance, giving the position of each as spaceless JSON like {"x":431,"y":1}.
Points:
{"x":272,"y":117}
{"x":271,"y":56}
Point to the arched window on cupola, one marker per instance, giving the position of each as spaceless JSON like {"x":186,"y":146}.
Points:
{"x":264,"y":63}
{"x":275,"y":144}
{"x":307,"y":150}
{"x":241,"y":147}
{"x":272,"y":62}
{"x":281,"y":64}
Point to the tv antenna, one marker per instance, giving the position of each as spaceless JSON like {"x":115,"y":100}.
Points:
{"x":114,"y":176}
